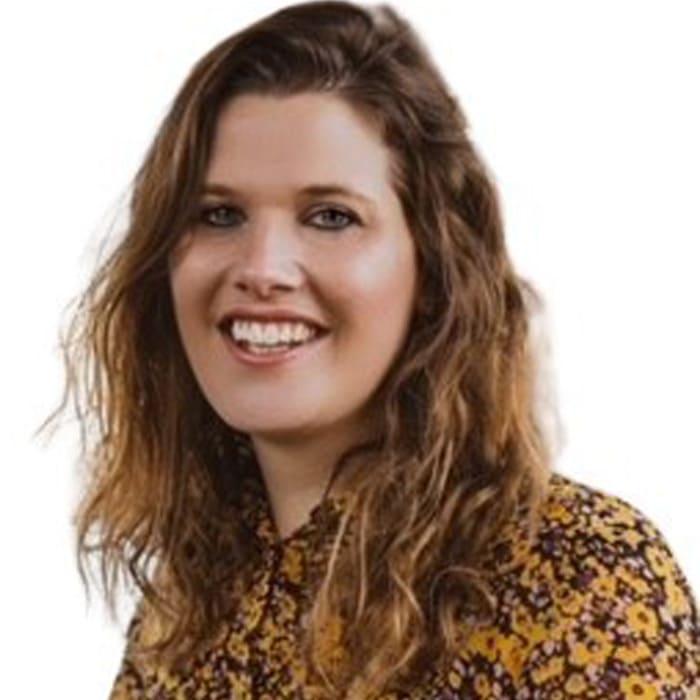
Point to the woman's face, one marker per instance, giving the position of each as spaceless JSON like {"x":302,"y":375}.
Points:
{"x":294,"y":288}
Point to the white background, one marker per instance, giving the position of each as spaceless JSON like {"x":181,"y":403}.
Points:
{"x":588,"y":114}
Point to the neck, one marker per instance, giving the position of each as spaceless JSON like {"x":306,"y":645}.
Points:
{"x":297,"y":475}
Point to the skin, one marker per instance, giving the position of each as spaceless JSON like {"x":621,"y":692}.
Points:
{"x":263,"y":240}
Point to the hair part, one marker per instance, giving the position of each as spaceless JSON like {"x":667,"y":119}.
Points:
{"x":461,"y":454}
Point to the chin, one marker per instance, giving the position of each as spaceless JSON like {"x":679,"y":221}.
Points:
{"x":272,"y":427}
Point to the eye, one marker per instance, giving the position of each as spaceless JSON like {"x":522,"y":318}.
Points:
{"x":333,"y":218}
{"x":220,"y":216}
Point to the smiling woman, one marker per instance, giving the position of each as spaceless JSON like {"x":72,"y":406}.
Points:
{"x":309,"y":375}
{"x":313,"y":237}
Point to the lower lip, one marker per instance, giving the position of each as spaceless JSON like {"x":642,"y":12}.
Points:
{"x":269,"y":359}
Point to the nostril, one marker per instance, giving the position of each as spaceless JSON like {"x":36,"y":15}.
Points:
{"x":263,"y":285}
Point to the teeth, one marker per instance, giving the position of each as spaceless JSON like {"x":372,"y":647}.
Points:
{"x":271,"y":334}
{"x":256,"y":333}
{"x":301,"y":332}
{"x":268,"y":334}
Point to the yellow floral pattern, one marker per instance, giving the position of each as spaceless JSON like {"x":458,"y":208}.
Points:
{"x":599,"y":609}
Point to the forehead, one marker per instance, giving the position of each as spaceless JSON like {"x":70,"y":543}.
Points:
{"x":270,"y":141}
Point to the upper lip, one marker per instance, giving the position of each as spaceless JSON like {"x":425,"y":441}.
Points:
{"x":260,"y":314}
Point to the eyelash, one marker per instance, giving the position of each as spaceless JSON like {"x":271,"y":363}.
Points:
{"x":206,"y":213}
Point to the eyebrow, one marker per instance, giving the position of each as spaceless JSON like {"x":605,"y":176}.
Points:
{"x":314,"y":190}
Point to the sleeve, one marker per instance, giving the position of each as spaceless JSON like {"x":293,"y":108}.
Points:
{"x":129,"y":683}
{"x":631,"y":630}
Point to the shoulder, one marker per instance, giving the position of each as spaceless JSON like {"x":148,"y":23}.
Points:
{"x":599,"y":606}
{"x":586,"y":535}
{"x":599,"y":532}
{"x":598,"y":550}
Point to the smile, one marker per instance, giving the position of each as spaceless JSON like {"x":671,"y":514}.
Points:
{"x":263,"y":342}
{"x":259,"y":336}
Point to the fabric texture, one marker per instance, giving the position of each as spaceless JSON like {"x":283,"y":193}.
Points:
{"x":600,"y":609}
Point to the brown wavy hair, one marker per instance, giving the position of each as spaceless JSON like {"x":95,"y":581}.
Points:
{"x":461,"y":452}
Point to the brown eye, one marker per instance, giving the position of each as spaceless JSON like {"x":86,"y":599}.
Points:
{"x":221,"y":216}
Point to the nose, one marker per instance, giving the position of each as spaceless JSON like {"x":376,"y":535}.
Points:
{"x":266,"y":261}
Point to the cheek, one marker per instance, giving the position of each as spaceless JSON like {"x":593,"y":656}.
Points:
{"x":191,"y":292}
{"x":181,"y":290}
{"x":377,"y":289}
{"x":197,"y":269}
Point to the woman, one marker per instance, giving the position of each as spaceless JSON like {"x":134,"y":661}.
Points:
{"x":309,"y":372}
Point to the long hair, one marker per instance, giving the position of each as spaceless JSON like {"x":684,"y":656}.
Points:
{"x":461,"y":453}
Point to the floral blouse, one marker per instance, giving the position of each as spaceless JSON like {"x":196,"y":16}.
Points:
{"x":599,"y":610}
